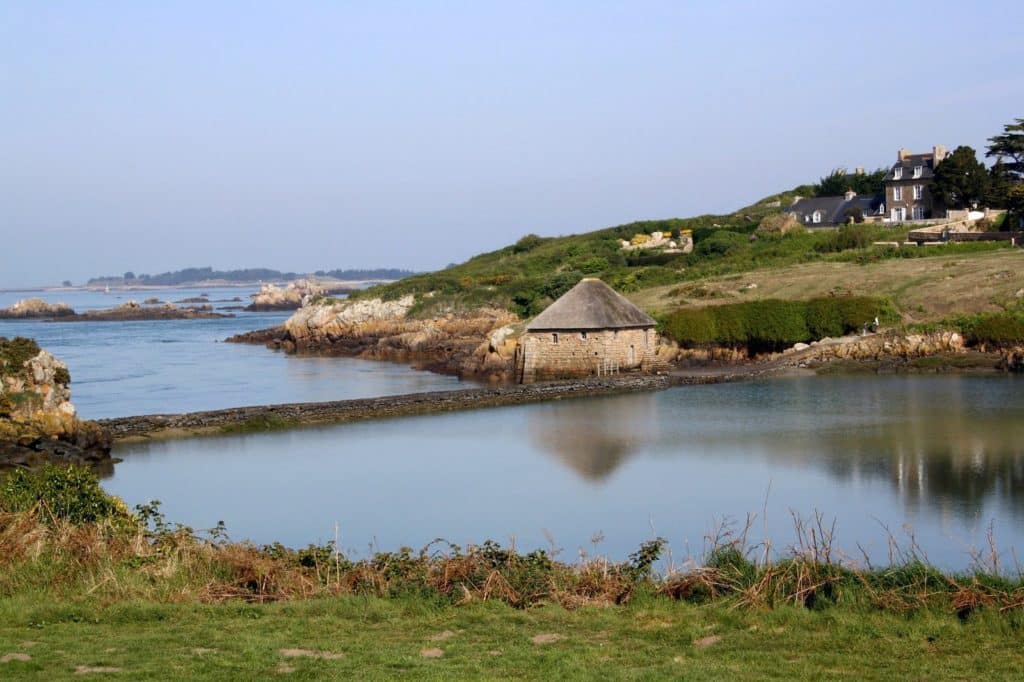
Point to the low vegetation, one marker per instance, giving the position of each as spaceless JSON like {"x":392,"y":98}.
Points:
{"x":772,"y":324}
{"x":84,"y":584}
{"x":527,"y":276}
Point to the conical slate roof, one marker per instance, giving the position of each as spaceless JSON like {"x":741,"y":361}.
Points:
{"x":591,"y":304}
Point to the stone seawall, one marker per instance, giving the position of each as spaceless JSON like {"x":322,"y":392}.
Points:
{"x":269,"y":417}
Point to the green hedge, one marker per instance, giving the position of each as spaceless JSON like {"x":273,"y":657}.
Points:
{"x":773,"y":324}
{"x":1000,"y":329}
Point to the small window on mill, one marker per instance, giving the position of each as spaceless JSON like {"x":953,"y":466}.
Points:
{"x":554,"y":338}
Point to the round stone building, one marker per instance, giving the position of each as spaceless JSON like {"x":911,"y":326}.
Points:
{"x":590,"y":330}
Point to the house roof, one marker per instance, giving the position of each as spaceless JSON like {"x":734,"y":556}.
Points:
{"x":833,"y":209}
{"x":925,"y":161}
{"x":591,"y":304}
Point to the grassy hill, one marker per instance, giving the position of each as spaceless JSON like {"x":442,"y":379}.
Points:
{"x":527,"y":276}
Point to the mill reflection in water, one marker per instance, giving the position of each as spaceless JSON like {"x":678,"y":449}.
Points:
{"x":944,"y":454}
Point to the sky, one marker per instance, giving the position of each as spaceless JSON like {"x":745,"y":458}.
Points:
{"x":296,"y":135}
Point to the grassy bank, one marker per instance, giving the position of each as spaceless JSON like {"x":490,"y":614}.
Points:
{"x":87,"y":585}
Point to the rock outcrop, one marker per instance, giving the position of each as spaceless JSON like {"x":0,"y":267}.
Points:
{"x":35,"y":308}
{"x":129,"y":311}
{"x":1012,"y":359}
{"x":292,"y":296}
{"x":466,"y":344}
{"x":38,"y":423}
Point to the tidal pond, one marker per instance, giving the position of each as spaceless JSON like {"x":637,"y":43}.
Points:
{"x":931,"y":462}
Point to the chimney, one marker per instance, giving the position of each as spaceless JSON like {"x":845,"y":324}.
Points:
{"x":859,"y":170}
{"x":938,"y":153}
{"x":902,"y":154}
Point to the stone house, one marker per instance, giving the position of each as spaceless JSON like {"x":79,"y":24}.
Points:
{"x":590,"y":330}
{"x":908,"y":186}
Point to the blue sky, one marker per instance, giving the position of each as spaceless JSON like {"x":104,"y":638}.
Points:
{"x":298,"y":135}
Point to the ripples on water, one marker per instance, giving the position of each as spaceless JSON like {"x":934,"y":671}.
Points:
{"x":939,"y":457}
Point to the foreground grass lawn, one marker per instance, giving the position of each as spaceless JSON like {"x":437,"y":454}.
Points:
{"x":373,"y":638}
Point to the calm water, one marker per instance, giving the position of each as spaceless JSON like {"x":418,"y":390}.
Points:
{"x":125,"y":368}
{"x":937,"y":457}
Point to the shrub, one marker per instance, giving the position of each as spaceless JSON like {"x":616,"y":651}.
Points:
{"x":693,"y":327}
{"x":856,"y":236}
{"x":559,"y":283}
{"x":995,"y":330}
{"x":772,"y":324}
{"x":594,"y":265}
{"x":14,"y":353}
{"x":824,"y":318}
{"x":527,"y":243}
{"x":68,"y":493}
{"x":721,"y":243}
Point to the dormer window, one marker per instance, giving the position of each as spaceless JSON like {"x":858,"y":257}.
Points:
{"x":897,"y":173}
{"x":918,"y":170}
{"x":816,"y":217}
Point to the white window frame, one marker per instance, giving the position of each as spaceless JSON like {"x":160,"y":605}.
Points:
{"x":583,"y":336}
{"x":897,"y":193}
{"x":897,"y":173}
{"x":918,"y":191}
{"x":816,"y":218}
{"x":918,"y":170}
{"x":918,"y":213}
{"x":554,"y":337}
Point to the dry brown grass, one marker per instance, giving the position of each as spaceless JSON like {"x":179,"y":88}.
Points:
{"x":925,"y":289}
{"x":110,"y":562}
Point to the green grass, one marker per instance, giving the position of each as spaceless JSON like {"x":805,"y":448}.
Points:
{"x":384,"y":638}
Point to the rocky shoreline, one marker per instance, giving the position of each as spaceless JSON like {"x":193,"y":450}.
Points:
{"x":475,"y":345}
{"x":271,"y":417}
{"x":131,"y":311}
{"x":38,"y":423}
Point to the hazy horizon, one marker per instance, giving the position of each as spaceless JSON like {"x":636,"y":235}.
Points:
{"x":313,"y":136}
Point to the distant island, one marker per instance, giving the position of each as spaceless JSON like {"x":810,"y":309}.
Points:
{"x":247,"y":275}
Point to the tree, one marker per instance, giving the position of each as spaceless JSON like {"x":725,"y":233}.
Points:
{"x":839,"y":181}
{"x":833,"y":184}
{"x":66,"y":283}
{"x":129,"y":275}
{"x":1000,"y":182}
{"x":1010,"y":145}
{"x":960,"y":179}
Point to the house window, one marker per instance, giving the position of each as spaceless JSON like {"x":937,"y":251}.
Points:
{"x":583,"y":336}
{"x":917,"y":171}
{"x":897,"y":173}
{"x":881,"y":209}
{"x":554,"y":338}
{"x":918,"y":213}
{"x":918,"y":191}
{"x":817,"y":216}
{"x":897,"y":193}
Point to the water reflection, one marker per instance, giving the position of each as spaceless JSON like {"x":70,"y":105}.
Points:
{"x":945,"y":454}
{"x":945,"y":443}
{"x":594,"y":437}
